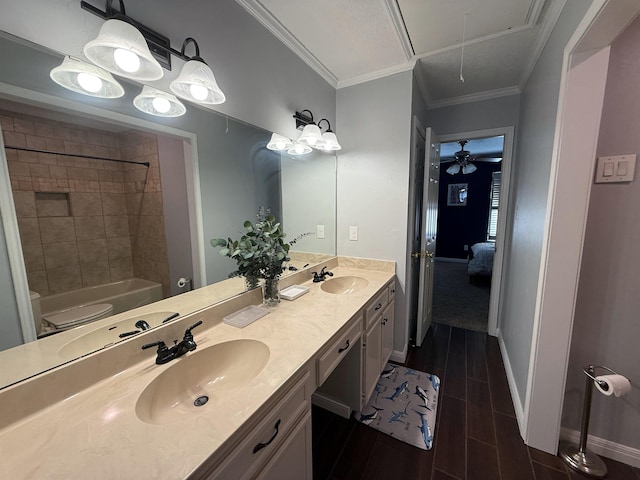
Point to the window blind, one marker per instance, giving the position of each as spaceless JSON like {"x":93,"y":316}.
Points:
{"x":494,"y":205}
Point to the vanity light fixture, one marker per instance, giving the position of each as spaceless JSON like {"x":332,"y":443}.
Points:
{"x":158,"y":103}
{"x":329,"y":140}
{"x":120,"y":48}
{"x":85,"y":78}
{"x":311,"y":134}
{"x":196,"y":81}
{"x":279,"y":142}
{"x":128,"y":48}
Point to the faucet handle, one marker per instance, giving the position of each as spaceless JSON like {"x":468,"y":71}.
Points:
{"x":187,"y":332}
{"x":160,"y":344}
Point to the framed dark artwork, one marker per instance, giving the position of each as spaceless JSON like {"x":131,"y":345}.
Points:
{"x":457,"y":195}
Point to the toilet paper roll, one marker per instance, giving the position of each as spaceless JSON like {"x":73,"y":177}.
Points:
{"x":182,"y":282}
{"x":617,"y":385}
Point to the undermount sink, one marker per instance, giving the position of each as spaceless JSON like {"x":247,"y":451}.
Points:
{"x":344,"y":285}
{"x":109,"y":334}
{"x":203,"y":378}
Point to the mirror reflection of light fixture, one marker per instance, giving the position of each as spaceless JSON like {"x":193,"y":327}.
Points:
{"x":329,"y":139}
{"x":196,"y":81}
{"x":299,"y":149}
{"x":158,"y":103}
{"x":469,"y":168}
{"x":85,"y":78}
{"x":279,"y":143}
{"x":453,"y":169}
{"x":120,"y":48}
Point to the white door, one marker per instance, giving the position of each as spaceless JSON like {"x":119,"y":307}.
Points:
{"x":428,"y":234}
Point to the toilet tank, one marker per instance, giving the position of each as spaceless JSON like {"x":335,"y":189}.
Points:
{"x":37,"y":314}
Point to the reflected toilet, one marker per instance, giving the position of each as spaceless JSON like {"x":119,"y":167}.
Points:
{"x":73,"y":317}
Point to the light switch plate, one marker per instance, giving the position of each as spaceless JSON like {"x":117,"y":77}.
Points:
{"x":319,"y":231}
{"x":620,"y":168}
{"x":353,"y":233}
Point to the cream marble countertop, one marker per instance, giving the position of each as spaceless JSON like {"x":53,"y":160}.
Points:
{"x":95,"y":433}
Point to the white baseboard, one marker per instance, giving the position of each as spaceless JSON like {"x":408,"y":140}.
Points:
{"x":606,"y":448}
{"x":332,"y":405}
{"x":515,"y":398}
{"x":399,"y":356}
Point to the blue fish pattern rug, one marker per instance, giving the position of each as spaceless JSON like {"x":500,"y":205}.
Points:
{"x":404,"y":405}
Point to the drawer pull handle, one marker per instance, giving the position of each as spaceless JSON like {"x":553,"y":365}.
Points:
{"x":340,"y":350}
{"x":378,"y":307}
{"x":260,"y":446}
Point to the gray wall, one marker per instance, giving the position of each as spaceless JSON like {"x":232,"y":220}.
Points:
{"x":373,"y":176}
{"x":10,"y":330}
{"x":530,"y":185}
{"x":606,"y":328}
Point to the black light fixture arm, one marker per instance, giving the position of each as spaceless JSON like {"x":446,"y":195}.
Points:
{"x":328,"y":124}
{"x":155,"y":40}
{"x":303,"y":120}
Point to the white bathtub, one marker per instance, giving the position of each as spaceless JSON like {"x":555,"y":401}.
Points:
{"x":123,"y":295}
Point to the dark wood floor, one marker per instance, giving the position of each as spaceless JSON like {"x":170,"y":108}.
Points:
{"x":476,"y":434}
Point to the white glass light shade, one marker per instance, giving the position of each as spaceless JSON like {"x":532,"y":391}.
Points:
{"x":330,"y":142}
{"x":158,"y":103}
{"x":453,"y":169}
{"x":121,"y":49}
{"x":299,"y":149}
{"x":311,"y":135}
{"x":469,"y":168}
{"x":82,"y":77}
{"x":197,"y":83}
{"x":279,"y":143}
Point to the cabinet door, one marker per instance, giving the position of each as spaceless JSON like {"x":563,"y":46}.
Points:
{"x":387,"y":334}
{"x":371,"y":358}
{"x":292,"y":461}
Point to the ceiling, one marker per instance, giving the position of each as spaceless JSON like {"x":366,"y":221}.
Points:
{"x":353,"y":41}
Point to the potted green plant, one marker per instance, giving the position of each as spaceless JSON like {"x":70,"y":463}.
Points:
{"x":261,"y":253}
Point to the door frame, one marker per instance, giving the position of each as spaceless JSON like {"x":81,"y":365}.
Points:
{"x":493,"y":324}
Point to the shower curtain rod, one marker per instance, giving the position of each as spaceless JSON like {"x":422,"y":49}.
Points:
{"x":23,"y":149}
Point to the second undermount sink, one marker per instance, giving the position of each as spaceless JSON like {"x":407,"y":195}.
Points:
{"x":201,"y":379}
{"x":344,"y":285}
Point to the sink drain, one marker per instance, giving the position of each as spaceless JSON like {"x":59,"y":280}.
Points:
{"x":200,"y":401}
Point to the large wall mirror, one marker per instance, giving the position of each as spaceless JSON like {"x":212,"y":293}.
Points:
{"x":104,"y":196}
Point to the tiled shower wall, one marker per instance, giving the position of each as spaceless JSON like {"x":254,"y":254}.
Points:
{"x":73,"y":212}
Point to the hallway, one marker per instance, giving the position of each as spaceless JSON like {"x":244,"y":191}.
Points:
{"x":476,"y":434}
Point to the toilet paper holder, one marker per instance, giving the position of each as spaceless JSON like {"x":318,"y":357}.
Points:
{"x":579,"y":458}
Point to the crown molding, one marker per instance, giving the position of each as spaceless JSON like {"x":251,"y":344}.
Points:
{"x":474,"y":97}
{"x":260,"y":13}
{"x":534,"y":11}
{"x":401,"y":29}
{"x":548,"y":24}
{"x":385,"y":72}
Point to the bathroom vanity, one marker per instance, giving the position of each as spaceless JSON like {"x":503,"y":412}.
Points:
{"x":239,"y":406}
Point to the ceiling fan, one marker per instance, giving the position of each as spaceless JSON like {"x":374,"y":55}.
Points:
{"x":461,"y":160}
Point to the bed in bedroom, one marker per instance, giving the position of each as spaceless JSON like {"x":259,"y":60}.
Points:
{"x":481,"y":259}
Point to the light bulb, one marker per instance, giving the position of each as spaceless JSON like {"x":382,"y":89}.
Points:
{"x":299,"y":149}
{"x":89,"y":82}
{"x":281,"y":145}
{"x":198,"y":91}
{"x":161,"y":105}
{"x":126,"y":60}
{"x":311,"y":141}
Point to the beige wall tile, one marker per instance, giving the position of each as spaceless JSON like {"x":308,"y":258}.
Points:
{"x":23,"y":126}
{"x":39,"y":170}
{"x":152,"y":204}
{"x":58,"y":255}
{"x":119,"y":247}
{"x":52,"y":204}
{"x":44,"y":129}
{"x":116,"y":226}
{"x":114,"y":203}
{"x":15,"y":139}
{"x":89,"y":227}
{"x":33,"y":258}
{"x":95,"y":273}
{"x":57,"y":171}
{"x":64,"y":279}
{"x":93,"y":251}
{"x":121,"y":269}
{"x":29,"y":231}
{"x":36,"y":142}
{"x":77,"y":173}
{"x":37,"y":281}
{"x":57,"y":229}
{"x":25,"y":204}
{"x":6,"y":122}
{"x":18,"y":168}
{"x":85,"y":204}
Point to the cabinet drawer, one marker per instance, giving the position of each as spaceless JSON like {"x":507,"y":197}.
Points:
{"x":375,"y":306}
{"x":392,"y":290}
{"x":267,"y":436}
{"x":332,"y":357}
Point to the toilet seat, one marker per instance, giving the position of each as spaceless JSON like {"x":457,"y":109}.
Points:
{"x":78,"y":316}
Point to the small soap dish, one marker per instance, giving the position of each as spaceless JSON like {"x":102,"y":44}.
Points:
{"x":245,"y":316}
{"x":293,"y":292}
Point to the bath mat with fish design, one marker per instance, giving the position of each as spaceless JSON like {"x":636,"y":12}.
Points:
{"x":403,"y":405}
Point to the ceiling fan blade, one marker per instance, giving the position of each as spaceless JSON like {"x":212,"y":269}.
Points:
{"x":487,"y":159}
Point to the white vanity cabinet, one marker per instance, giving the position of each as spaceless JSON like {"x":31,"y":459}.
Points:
{"x":277,"y":445}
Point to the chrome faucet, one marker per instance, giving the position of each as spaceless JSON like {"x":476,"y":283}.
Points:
{"x":320,"y":277}
{"x":166,"y":354}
